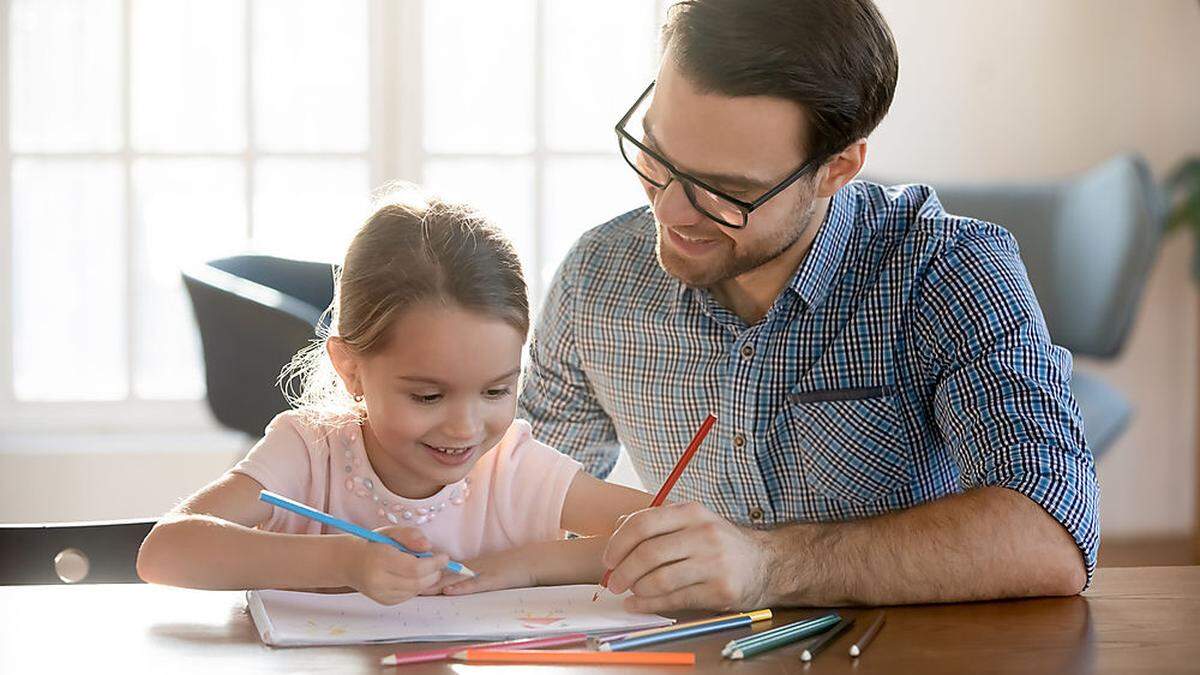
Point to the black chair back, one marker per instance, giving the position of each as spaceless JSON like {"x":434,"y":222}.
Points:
{"x":254,"y":313}
{"x":55,"y":553}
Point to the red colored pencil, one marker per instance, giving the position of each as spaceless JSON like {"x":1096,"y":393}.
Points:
{"x":669,"y":483}
{"x":445,"y":653}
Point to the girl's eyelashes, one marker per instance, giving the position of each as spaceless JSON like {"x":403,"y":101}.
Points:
{"x":493,"y":393}
{"x":498,"y":392}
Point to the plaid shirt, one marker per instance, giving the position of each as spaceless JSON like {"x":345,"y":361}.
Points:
{"x":906,"y":360}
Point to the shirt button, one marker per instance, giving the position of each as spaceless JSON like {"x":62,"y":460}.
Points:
{"x":756,"y":513}
{"x":739,"y":440}
{"x":747,"y":351}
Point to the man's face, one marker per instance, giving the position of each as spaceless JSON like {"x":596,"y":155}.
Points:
{"x":743,"y":146}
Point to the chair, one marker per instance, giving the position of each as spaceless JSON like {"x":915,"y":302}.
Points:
{"x":54,"y":553}
{"x":254,"y":313}
{"x":1088,"y":243}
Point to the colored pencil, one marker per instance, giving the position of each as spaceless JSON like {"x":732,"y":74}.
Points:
{"x":755,"y":616}
{"x":809,"y":626}
{"x":400,"y":658}
{"x":779,"y":637}
{"x":860,"y":644}
{"x":350,"y":528}
{"x":677,"y":633}
{"x":569,"y":656}
{"x":669,"y":483}
{"x":819,"y":645}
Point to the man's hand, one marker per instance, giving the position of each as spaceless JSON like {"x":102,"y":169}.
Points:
{"x":683,"y":556}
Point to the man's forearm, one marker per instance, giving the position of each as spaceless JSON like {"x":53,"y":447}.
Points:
{"x":984,"y":544}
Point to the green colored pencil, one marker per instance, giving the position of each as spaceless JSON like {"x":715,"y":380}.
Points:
{"x":825,"y":640}
{"x":802,"y":625}
{"x":768,"y":640}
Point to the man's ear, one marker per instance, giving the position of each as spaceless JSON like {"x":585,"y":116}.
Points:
{"x":842,"y":168}
{"x":345,"y":362}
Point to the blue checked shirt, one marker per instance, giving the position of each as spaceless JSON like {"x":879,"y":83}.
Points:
{"x":906,"y":360}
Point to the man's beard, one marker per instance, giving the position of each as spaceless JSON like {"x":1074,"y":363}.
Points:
{"x":703,"y":274}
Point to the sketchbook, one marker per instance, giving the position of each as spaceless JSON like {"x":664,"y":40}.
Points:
{"x":292,"y":618}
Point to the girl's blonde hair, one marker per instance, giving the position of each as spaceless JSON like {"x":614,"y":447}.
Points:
{"x":415,"y":248}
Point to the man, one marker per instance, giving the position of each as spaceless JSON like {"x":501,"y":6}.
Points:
{"x":895,"y":425}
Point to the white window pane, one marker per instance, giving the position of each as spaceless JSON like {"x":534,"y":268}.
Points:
{"x":309,"y":208}
{"x":600,"y":57}
{"x":582,"y":193}
{"x":501,"y":188}
{"x":310,"y":75}
{"x":188,"y":75}
{"x":65,"y":91}
{"x":478,"y":76}
{"x":185,"y":212}
{"x":68,"y":280}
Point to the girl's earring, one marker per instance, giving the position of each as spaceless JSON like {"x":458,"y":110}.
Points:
{"x":358,"y":398}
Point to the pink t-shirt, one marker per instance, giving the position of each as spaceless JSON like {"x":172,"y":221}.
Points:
{"x":513,"y":495}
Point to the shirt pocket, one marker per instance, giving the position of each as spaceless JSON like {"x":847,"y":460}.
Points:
{"x":852,"y":443}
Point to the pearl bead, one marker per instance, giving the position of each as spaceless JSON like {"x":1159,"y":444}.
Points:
{"x":408,"y":515}
{"x":349,"y":484}
{"x":368,"y":483}
{"x":457,"y":501}
{"x":422,"y":520}
{"x":422,"y":511}
{"x":392,"y":517}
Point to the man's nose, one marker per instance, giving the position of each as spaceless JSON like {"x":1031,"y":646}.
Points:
{"x":672,"y":206}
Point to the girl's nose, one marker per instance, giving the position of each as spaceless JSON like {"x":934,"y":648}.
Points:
{"x":464,"y":424}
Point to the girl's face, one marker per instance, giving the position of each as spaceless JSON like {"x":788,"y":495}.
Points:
{"x":438,"y":396}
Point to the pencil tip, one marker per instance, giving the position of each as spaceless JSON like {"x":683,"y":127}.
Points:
{"x":854,"y":650}
{"x":389,"y":660}
{"x":461,"y":656}
{"x":806,"y":656}
{"x":467,"y":572}
{"x":595,"y":596}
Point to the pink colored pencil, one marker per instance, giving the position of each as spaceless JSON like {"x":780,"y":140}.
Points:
{"x":445,"y":653}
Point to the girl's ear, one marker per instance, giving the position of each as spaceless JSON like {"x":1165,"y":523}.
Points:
{"x":346,"y":363}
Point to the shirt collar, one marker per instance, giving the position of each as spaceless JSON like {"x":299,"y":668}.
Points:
{"x":815,"y":276}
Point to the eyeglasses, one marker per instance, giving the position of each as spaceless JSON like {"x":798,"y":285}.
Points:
{"x":654,"y":169}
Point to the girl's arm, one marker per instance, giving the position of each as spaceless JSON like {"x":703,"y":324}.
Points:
{"x":209,"y":541}
{"x":593,"y":508}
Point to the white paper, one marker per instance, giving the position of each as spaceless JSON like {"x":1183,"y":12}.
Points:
{"x":291,"y":618}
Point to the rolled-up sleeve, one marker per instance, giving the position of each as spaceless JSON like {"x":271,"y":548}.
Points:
{"x":1003,"y":400}
{"x":556,"y":397}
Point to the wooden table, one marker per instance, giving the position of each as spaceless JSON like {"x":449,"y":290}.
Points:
{"x":1133,"y":620}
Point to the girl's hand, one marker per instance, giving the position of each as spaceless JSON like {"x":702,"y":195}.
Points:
{"x":506,"y":569}
{"x":389,"y":576}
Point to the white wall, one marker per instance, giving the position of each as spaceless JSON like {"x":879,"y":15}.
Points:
{"x":1031,"y":89}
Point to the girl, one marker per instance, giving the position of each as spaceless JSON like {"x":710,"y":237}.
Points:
{"x":404,"y":423}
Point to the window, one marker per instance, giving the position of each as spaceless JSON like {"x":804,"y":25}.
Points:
{"x":138,"y":137}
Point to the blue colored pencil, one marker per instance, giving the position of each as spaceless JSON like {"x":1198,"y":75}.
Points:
{"x":350,"y":528}
{"x":677,"y":634}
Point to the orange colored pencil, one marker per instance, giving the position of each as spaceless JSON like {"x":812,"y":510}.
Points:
{"x":577,"y":656}
{"x":669,"y":483}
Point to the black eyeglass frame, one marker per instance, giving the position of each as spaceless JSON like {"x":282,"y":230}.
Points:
{"x":687,"y":181}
